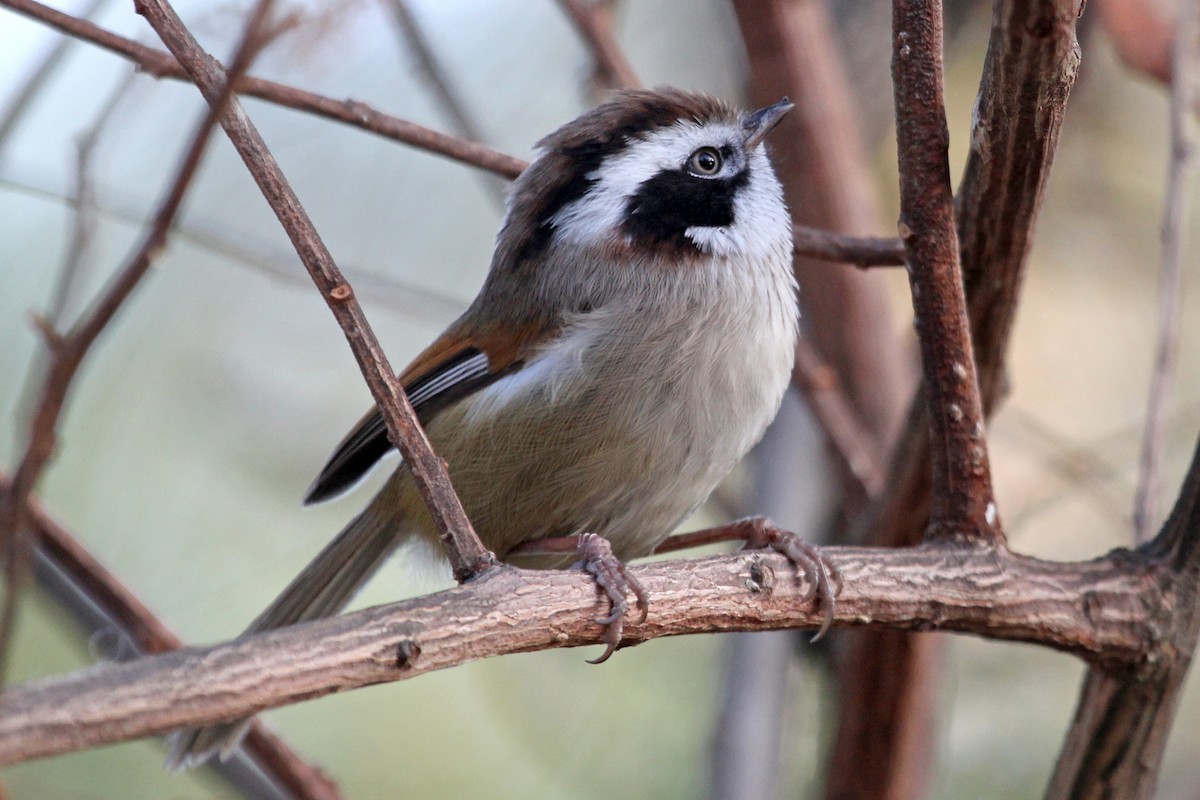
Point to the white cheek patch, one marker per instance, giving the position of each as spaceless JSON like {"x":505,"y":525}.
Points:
{"x":760,"y":222}
{"x":601,"y":210}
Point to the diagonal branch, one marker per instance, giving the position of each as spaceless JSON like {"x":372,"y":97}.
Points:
{"x":68,"y":351}
{"x":1116,"y":742}
{"x":593,"y":20}
{"x":350,"y":112}
{"x":468,"y":557}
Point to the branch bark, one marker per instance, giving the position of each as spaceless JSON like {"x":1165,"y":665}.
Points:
{"x":466,"y":553}
{"x":1116,"y":742}
{"x":1033,"y":56}
{"x":963,"y":503}
{"x":144,"y":633}
{"x":1105,"y":610}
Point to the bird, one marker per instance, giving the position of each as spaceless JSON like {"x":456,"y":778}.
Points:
{"x":632,"y":340}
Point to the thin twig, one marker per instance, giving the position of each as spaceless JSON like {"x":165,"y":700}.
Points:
{"x":861,"y":251}
{"x":418,"y":302}
{"x":411,"y":35}
{"x":963,"y":503}
{"x":83,"y":224}
{"x":819,"y":384}
{"x":12,"y":115}
{"x":350,"y":112}
{"x":593,"y":20}
{"x":69,"y":350}
{"x":1184,"y":63}
{"x":467,"y":555}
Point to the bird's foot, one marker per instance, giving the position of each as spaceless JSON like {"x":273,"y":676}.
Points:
{"x":613,"y":580}
{"x":823,"y":578}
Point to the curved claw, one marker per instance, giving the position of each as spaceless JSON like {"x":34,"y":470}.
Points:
{"x":823,"y":578}
{"x":612,"y":579}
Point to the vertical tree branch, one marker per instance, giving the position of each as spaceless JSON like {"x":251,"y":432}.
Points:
{"x":882,"y":748}
{"x":963,"y":505}
{"x":467,"y":555}
{"x":1184,"y":64}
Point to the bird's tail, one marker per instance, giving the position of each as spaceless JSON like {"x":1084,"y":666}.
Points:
{"x":324,"y":587}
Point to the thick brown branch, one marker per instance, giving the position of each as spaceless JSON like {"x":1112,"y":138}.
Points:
{"x":1116,"y":742}
{"x":468,"y":557}
{"x":963,"y":504}
{"x":1031,"y":63}
{"x":350,"y":112}
{"x":1102,"y":610}
{"x":121,"y":608}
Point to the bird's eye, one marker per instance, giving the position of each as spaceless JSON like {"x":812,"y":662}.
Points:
{"x":705,"y":162}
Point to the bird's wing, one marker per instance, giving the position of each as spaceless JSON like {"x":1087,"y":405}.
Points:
{"x":454,"y":366}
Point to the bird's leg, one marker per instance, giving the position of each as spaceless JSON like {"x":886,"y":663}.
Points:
{"x":824,"y":580}
{"x":610,"y":575}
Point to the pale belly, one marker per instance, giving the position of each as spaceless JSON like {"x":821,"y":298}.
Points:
{"x":624,"y":446}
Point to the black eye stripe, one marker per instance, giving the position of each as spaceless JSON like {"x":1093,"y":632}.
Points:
{"x":666,"y":205}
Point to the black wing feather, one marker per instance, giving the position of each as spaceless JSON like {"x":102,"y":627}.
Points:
{"x":466,"y":373}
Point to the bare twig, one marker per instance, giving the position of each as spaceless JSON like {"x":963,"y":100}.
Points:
{"x":116,"y":607}
{"x":963,"y":505}
{"x":468,"y":557}
{"x":593,"y":20}
{"x":819,"y":384}
{"x":465,"y":126}
{"x":418,"y":302}
{"x":1185,"y":62}
{"x":69,"y":350}
{"x":350,"y":112}
{"x":12,"y":114}
{"x":861,"y":251}
{"x":1102,"y":610}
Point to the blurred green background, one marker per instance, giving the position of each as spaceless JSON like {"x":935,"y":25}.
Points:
{"x":206,"y":409}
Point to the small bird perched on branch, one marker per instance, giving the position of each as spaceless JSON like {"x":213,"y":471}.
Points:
{"x":632,"y":341}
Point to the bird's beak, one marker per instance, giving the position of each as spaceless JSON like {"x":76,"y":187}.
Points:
{"x":756,"y":125}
